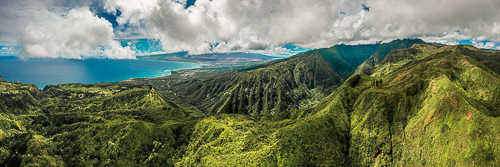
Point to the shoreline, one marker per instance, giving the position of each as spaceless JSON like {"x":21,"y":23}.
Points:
{"x":24,"y":77}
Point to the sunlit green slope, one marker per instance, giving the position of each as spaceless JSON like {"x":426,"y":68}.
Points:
{"x":426,"y":105}
{"x":294,"y":83}
{"x":437,"y":110}
{"x":114,"y":124}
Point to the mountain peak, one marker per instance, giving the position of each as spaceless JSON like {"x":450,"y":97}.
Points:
{"x":415,"y":40}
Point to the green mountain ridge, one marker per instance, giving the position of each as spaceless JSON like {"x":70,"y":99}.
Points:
{"x":420,"y":105}
{"x":210,"y":58}
{"x":424,"y":117}
{"x":382,"y":52}
{"x":292,"y":83}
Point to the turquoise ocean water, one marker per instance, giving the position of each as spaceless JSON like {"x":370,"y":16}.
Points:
{"x":42,"y":72}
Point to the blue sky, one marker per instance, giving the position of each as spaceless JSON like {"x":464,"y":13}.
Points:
{"x":147,"y":46}
{"x":153,"y":46}
{"x":190,"y":3}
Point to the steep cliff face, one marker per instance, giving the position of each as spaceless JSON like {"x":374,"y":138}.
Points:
{"x":426,"y":105}
{"x":435,"y":110}
{"x":268,"y":90}
{"x":367,"y":66}
{"x":294,"y":83}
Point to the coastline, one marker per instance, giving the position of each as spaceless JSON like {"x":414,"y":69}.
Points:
{"x":43,"y":72}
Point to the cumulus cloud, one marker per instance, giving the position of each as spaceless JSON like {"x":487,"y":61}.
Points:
{"x":5,"y":50}
{"x":256,"y":25}
{"x":260,"y":24}
{"x":483,"y":45}
{"x":76,"y":33}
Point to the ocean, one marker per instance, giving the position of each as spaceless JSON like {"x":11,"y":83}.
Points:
{"x":43,"y":72}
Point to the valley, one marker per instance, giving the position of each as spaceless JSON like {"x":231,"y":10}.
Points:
{"x":402,"y":103}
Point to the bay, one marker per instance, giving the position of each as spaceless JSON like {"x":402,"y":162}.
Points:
{"x":43,"y":72}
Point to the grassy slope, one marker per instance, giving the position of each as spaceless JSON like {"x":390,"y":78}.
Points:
{"x":15,"y":98}
{"x":345,"y":58}
{"x":382,"y":52}
{"x":294,"y":83}
{"x":423,"y":106}
{"x":437,"y":110}
{"x":418,"y":116}
{"x":96,"y":125}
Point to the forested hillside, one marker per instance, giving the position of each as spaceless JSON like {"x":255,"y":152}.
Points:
{"x":297,"y":82}
{"x":408,"y":104}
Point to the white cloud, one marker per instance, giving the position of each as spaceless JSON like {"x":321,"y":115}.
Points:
{"x":157,"y":53}
{"x":6,"y":50}
{"x":59,"y":32}
{"x":235,"y":25}
{"x":116,"y":51}
{"x":260,"y":24}
{"x":133,"y":11}
{"x":74,"y":35}
{"x":483,"y":45}
{"x":447,"y":38}
{"x":245,"y":25}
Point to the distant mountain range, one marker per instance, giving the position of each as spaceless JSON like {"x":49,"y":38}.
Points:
{"x":210,"y":58}
{"x":403,"y":103}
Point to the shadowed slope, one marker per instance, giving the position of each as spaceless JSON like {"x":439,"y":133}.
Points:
{"x":293,"y":83}
{"x":109,"y":124}
{"x":433,"y":111}
{"x":18,"y":98}
{"x":379,"y":55}
{"x":426,"y":105}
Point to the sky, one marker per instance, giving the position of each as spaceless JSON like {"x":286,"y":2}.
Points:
{"x":124,"y":29}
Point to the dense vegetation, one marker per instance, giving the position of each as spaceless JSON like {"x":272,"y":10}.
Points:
{"x":297,"y":82}
{"x":416,"y":105}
